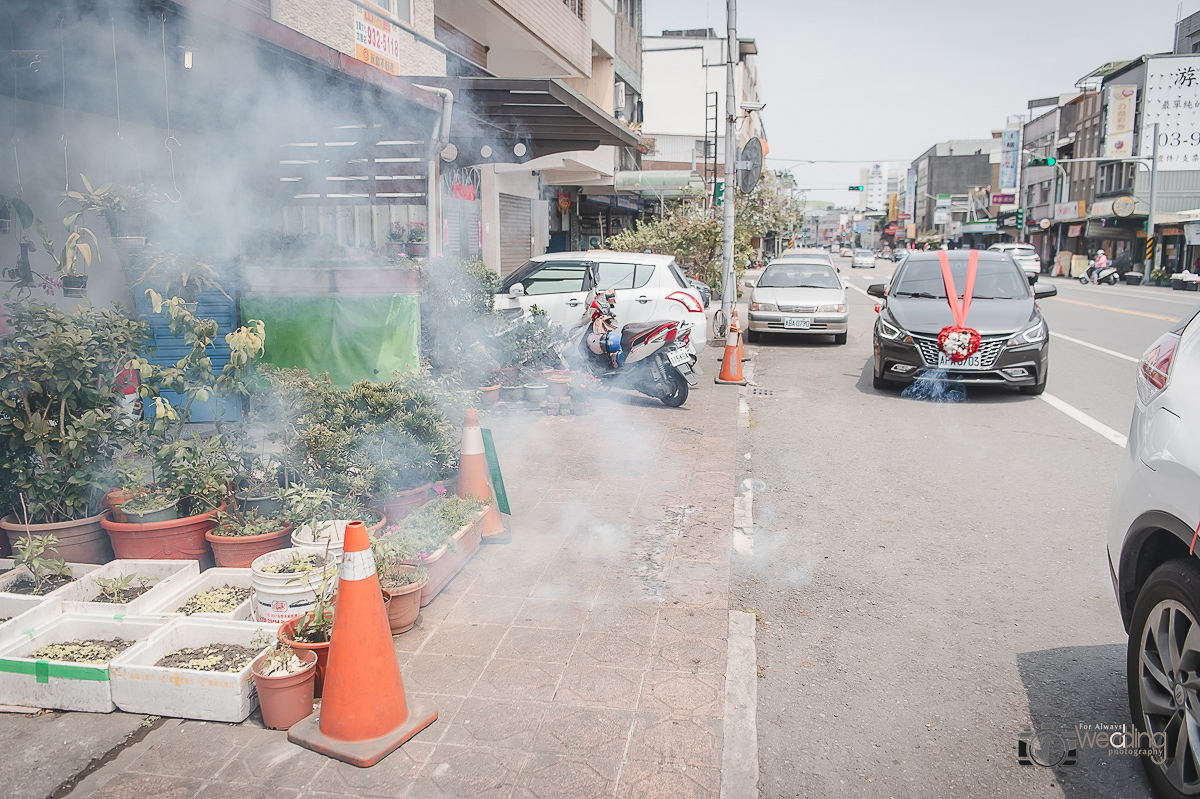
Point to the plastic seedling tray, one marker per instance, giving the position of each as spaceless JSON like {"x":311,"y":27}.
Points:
{"x":168,"y":604}
{"x":80,"y":596}
{"x":15,"y":575}
{"x":25,"y":614}
{"x":139,"y":686}
{"x":58,"y":684}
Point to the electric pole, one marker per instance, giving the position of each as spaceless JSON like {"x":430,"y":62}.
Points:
{"x":729,"y":295}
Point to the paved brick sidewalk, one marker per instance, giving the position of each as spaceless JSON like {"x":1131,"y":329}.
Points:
{"x":586,"y":658}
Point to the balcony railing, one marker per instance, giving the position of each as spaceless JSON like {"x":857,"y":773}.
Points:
{"x":576,"y":6}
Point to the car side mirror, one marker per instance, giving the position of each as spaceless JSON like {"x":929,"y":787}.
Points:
{"x":1032,"y":279}
{"x":516,"y":290}
{"x":1043,"y":290}
{"x":877,"y":290}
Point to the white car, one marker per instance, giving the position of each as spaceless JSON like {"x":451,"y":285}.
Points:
{"x":648,"y":287}
{"x":1155,"y":569}
{"x":801,"y":297}
{"x":864,"y":258}
{"x":846,"y":252}
{"x":1024,"y":255}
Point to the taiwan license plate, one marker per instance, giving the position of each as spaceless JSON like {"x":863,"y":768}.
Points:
{"x":679,"y":357}
{"x":797,"y":322}
{"x":974,"y":362}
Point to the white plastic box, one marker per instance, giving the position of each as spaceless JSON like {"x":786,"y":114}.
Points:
{"x":78,"y":570}
{"x":25,"y":614}
{"x":138,"y":686}
{"x":56,"y":684}
{"x":168,"y":605}
{"x":79,"y":596}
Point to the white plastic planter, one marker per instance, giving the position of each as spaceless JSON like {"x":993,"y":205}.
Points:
{"x":25,"y":614}
{"x":19,"y":573}
{"x":138,"y":686}
{"x":279,"y":598}
{"x":331,"y":535}
{"x":168,"y":605}
{"x":57,"y":684}
{"x":166,"y":575}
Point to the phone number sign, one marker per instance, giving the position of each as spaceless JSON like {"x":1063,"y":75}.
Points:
{"x":375,"y":42}
{"x":1172,"y":100}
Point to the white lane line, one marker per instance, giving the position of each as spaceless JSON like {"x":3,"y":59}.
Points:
{"x":1091,"y":346}
{"x":1086,"y":421}
{"x":860,"y":291}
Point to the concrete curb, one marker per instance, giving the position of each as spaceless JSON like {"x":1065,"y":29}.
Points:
{"x":739,"y":760}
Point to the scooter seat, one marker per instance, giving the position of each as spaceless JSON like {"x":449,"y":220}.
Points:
{"x":631,"y":332}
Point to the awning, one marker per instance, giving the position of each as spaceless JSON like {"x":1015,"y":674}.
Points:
{"x":660,"y":182}
{"x":512,"y":120}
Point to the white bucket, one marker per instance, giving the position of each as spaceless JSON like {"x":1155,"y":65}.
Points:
{"x":331,"y":534}
{"x":279,"y":598}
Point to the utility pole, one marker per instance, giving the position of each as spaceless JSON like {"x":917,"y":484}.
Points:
{"x":1151,"y":244}
{"x":729,"y":296}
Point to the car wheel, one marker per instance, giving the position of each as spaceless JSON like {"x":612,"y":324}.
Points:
{"x":1037,"y":388}
{"x":1163,"y":672}
{"x":880,"y":383}
{"x":840,"y":338}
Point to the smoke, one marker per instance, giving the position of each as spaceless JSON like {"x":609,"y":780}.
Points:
{"x":935,"y":386}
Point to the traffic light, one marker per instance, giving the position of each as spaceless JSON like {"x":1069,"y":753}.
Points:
{"x":857,"y":188}
{"x":1020,"y":218}
{"x":1042,"y":162}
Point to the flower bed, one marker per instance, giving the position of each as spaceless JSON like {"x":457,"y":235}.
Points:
{"x":176,"y":603}
{"x":115,"y":589}
{"x":441,"y":536}
{"x":144,"y":679}
{"x":18,"y":581}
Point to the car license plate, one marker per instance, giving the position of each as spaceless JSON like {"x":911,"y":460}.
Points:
{"x":797,"y":322}
{"x":974,"y":362}
{"x":679,"y":357}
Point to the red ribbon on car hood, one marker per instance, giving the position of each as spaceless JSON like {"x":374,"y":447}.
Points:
{"x":959,"y":309}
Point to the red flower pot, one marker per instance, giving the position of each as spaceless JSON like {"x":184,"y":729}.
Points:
{"x":175,"y":539}
{"x":286,"y":698}
{"x":287,"y":631}
{"x":239,"y":551}
{"x":442,"y":565}
{"x":559,"y":386}
{"x":489,"y":394}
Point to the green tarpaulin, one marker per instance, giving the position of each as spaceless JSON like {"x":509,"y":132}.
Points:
{"x":351,"y":337}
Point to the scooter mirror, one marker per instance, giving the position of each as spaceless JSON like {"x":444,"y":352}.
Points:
{"x":516,"y":290}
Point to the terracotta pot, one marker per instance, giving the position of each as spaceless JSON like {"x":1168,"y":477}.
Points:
{"x":79,"y":540}
{"x":405,"y":606}
{"x":442,"y":565}
{"x":395,"y":249}
{"x":177,"y":539}
{"x":405,"y":502}
{"x":287,"y":630}
{"x":286,"y":698}
{"x":489,"y":394}
{"x":418,"y":249}
{"x":239,"y":551}
{"x":113,"y":501}
{"x":559,"y":386}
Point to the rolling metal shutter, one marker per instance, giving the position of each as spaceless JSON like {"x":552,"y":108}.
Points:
{"x":516,"y":232}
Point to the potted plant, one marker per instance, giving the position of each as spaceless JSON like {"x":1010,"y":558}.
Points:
{"x":313,"y":631}
{"x":560,"y":384}
{"x":536,"y":391}
{"x":240,"y":536}
{"x":285,"y":678}
{"x":126,"y":209}
{"x":61,"y":422}
{"x":1158,"y":275}
{"x":396,"y":238}
{"x":1133,"y":278}
{"x":416,"y":239}
{"x":401,"y":581}
{"x":43,"y":573}
{"x":440,"y":536}
{"x":177,"y":275}
{"x":146,"y":504}
{"x":511,"y":388}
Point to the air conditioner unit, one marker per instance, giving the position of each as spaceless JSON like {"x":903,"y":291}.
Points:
{"x":619,"y":96}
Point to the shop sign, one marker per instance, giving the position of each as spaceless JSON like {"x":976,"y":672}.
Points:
{"x":1119,"y":116}
{"x":1192,"y":230}
{"x":375,"y":42}
{"x":910,"y":193}
{"x":980,"y":227}
{"x":1069,"y":210}
{"x":943,"y":201}
{"x":1010,"y":145}
{"x":1123,"y":206}
{"x":941,"y":216}
{"x":1004,"y":199}
{"x":1173,"y":102}
{"x":1172,"y":231}
{"x":1073,"y":231}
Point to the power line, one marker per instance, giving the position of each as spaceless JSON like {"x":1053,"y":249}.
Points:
{"x":830,"y":161}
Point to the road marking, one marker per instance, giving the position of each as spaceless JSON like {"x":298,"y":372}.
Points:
{"x":1086,"y":421}
{"x":1111,"y":308}
{"x":1091,"y":346}
{"x":860,"y":291}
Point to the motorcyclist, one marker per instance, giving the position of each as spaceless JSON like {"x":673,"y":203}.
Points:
{"x":1100,"y":263}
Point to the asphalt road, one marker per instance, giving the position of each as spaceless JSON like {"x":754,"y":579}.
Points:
{"x":931,"y":579}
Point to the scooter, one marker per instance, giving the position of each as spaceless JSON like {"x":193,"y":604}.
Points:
{"x":1108,"y":274}
{"x":654,"y":358}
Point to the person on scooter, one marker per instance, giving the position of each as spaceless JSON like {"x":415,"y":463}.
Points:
{"x":1100,"y":263}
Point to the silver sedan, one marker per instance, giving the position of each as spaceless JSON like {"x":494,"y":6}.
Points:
{"x":800,"y":298}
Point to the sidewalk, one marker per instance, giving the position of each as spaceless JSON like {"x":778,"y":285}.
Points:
{"x":586,"y":658}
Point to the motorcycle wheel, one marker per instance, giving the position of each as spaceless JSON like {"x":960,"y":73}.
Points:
{"x":677,"y":394}
{"x":1083,"y":279}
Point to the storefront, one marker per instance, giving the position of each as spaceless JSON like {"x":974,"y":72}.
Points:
{"x":1175,"y":255}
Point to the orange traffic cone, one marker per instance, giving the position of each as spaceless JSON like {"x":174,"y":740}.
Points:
{"x":741,"y":344}
{"x":364,"y":714}
{"x":473,"y":479}
{"x":731,"y":366}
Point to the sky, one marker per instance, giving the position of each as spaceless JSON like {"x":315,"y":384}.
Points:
{"x":884,"y":80}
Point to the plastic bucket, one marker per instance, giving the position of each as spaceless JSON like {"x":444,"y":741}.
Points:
{"x":332,"y":534}
{"x":279,"y":598}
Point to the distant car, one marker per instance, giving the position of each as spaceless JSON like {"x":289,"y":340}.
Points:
{"x":802,"y":297}
{"x":846,"y":252}
{"x":1023,"y":255}
{"x":864,"y":258}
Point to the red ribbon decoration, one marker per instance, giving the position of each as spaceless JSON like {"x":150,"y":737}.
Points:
{"x":959,"y":309}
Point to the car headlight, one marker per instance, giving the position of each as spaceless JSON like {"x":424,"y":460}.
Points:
{"x":1030,"y":336}
{"x":890,"y":332}
{"x":763,"y":306}
{"x":832,"y":307}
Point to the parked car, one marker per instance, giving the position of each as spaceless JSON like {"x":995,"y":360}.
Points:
{"x":1014,"y":350}
{"x":846,"y":252}
{"x":864,"y":258}
{"x":703,"y":288}
{"x":795,"y":256}
{"x":1024,"y":255}
{"x":1156,"y":576}
{"x":648,"y":286}
{"x":801,"y":297}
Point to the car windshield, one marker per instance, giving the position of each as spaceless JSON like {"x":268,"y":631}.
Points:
{"x":994,"y":280}
{"x":795,"y":276}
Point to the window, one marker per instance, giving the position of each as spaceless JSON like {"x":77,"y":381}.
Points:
{"x":623,"y":276}
{"x":1045,"y":192}
{"x":556,"y":278}
{"x":576,"y":7}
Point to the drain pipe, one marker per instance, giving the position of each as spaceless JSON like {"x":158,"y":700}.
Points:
{"x":440,"y":139}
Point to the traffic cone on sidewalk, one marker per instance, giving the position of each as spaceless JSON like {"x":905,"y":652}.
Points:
{"x":741,"y":344}
{"x":731,"y":366}
{"x":364,"y":714}
{"x":473,"y":480}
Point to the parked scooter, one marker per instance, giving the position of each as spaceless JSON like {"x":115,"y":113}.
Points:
{"x":654,"y":358}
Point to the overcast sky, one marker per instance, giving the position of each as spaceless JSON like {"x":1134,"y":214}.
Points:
{"x":877,"y":80}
